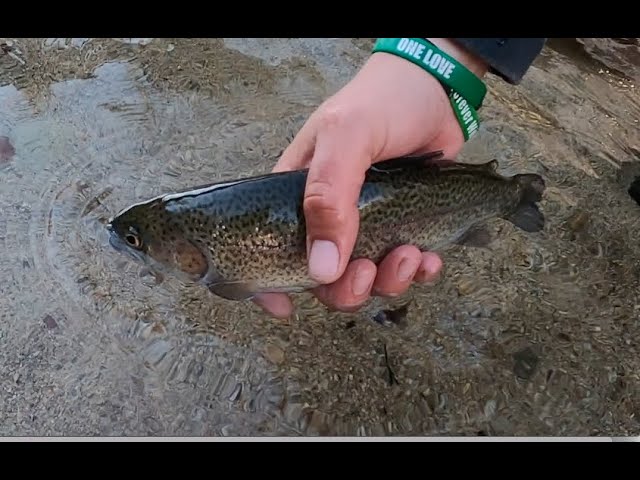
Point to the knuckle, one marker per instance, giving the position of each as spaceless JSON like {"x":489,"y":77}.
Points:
{"x":333,"y":116}
{"x":336,"y":297}
{"x":319,"y":203}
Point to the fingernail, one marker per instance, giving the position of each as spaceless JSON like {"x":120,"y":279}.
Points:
{"x":432,"y":264}
{"x":362,"y":282}
{"x":323,"y":260}
{"x":274,"y":305}
{"x":406,"y":270}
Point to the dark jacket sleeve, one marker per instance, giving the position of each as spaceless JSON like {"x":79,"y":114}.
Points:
{"x":509,"y":58}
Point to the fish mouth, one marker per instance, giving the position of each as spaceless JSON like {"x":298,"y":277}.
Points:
{"x":114,"y":240}
{"x":120,"y":246}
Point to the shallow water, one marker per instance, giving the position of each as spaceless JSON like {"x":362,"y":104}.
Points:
{"x":537,"y":336}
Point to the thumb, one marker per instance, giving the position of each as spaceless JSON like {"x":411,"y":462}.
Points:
{"x":334,"y":181}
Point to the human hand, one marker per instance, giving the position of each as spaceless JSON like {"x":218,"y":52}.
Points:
{"x":391,"y":108}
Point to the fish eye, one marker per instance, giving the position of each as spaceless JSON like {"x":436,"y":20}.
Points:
{"x":133,"y":239}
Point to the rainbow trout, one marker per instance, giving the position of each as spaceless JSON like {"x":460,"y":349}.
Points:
{"x":247,"y":236}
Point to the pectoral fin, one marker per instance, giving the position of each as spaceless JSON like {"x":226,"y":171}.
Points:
{"x":236,"y":291}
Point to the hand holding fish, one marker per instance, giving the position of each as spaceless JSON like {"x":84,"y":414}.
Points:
{"x":391,"y":108}
{"x":357,"y":205}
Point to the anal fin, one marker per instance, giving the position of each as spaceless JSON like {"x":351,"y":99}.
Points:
{"x":476,"y":237}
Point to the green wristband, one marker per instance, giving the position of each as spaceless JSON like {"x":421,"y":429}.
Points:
{"x":426,"y":58}
{"x":444,"y":67}
{"x":466,"y":115}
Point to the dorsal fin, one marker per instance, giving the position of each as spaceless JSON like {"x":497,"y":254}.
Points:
{"x":490,"y":166}
{"x":432,"y":158}
{"x":411,"y":161}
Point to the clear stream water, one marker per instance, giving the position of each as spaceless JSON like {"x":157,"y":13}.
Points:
{"x":537,"y":336}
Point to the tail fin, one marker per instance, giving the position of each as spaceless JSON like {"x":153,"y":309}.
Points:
{"x":527,"y":216}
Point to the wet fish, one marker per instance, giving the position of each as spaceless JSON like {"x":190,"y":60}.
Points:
{"x":247,"y":236}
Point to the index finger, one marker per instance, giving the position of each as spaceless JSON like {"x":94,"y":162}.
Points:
{"x":336,"y":174}
{"x":299,"y":152}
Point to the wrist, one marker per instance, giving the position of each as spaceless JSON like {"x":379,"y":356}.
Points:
{"x":463,"y":85}
{"x":474,"y":63}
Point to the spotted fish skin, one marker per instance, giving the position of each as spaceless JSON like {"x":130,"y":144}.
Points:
{"x":247,"y":236}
